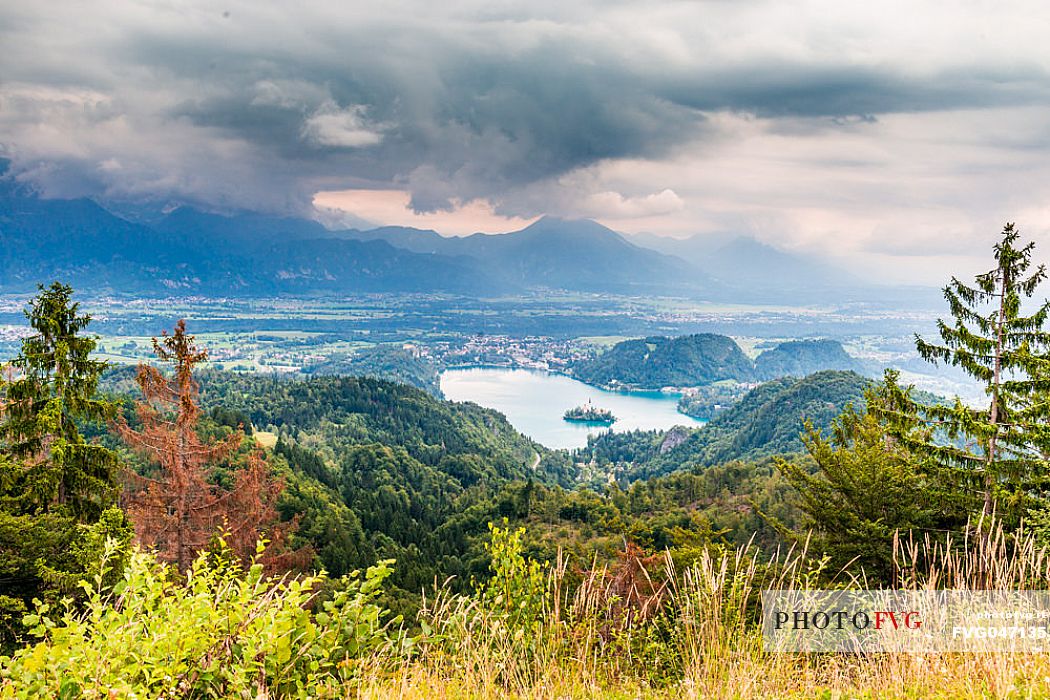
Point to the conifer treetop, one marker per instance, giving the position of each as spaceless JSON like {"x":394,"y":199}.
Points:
{"x":1003,"y":446}
{"x":50,"y":389}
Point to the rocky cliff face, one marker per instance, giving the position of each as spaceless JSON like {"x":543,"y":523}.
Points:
{"x":674,"y":437}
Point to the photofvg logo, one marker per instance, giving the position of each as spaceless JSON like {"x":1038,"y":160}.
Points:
{"x":905,"y":621}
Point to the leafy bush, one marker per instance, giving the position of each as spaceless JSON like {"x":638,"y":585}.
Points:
{"x":517,"y":590}
{"x":225,"y":631}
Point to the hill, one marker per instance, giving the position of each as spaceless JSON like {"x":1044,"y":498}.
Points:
{"x":375,"y":469}
{"x":657,"y":362}
{"x":767,"y":421}
{"x":392,"y":362}
{"x":797,"y":358}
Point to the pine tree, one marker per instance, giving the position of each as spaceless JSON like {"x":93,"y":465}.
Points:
{"x":866,"y":488}
{"x":995,"y":454}
{"x":179,"y":510}
{"x":57,"y":490}
{"x":53,"y":388}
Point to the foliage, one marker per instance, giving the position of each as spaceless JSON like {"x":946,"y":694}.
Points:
{"x":1000,"y":453}
{"x":231,"y":419}
{"x":52,"y":390}
{"x":629,"y":447}
{"x":393,"y":362}
{"x":326,"y":523}
{"x":517,"y":587}
{"x":767,"y":421}
{"x":589,"y":413}
{"x":57,"y":489}
{"x":703,"y":359}
{"x":682,"y":513}
{"x":377,"y":469}
{"x":365,"y":410}
{"x":179,"y":511}
{"x":44,"y":556}
{"x":226,"y":632}
{"x":705,"y":402}
{"x":866,"y":491}
{"x":797,"y":358}
{"x":373,"y":469}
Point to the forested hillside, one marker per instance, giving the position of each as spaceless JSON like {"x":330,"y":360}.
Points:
{"x":797,"y":358}
{"x":409,"y":467}
{"x":767,"y":421}
{"x":706,"y":359}
{"x":389,"y":361}
{"x":657,"y":362}
{"x":375,"y":469}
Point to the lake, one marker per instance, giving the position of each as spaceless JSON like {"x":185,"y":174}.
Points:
{"x":534,"y":402}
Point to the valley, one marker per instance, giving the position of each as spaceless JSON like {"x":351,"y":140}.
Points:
{"x":292,"y":335}
{"x":524,"y":351}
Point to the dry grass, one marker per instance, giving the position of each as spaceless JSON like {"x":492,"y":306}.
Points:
{"x":705,"y":644}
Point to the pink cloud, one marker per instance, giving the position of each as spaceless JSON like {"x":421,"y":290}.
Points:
{"x":391,"y":208}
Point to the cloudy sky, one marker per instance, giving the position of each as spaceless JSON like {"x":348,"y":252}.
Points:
{"x":897,"y":137}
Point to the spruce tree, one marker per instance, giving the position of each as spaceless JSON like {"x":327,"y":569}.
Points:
{"x":860,"y":489}
{"x":179,"y":510}
{"x":54,"y":387}
{"x":995,"y":454}
{"x":57,"y":489}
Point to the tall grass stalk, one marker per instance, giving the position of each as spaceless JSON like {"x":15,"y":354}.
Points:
{"x":703,"y":639}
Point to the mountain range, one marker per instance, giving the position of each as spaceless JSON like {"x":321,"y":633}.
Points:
{"x":753,"y":269}
{"x":555,"y":253}
{"x":186,"y":251}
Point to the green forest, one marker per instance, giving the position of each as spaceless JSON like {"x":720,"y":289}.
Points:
{"x":708,"y":360}
{"x":173,"y":530}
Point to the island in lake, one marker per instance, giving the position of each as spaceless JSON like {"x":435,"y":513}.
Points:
{"x":589,"y":413}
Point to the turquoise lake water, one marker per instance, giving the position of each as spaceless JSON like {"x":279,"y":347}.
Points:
{"x":534,"y":402}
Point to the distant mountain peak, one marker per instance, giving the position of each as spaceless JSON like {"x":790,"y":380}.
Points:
{"x":754,"y":270}
{"x":559,"y":223}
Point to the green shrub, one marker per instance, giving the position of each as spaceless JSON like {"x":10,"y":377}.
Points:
{"x":517,"y":591}
{"x":225,"y":631}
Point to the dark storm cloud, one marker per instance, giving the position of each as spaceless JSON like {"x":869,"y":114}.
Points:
{"x":261,"y":105}
{"x":456,"y":124}
{"x":829,"y":91}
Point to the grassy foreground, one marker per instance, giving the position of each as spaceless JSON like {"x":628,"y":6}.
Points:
{"x":639,"y":628}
